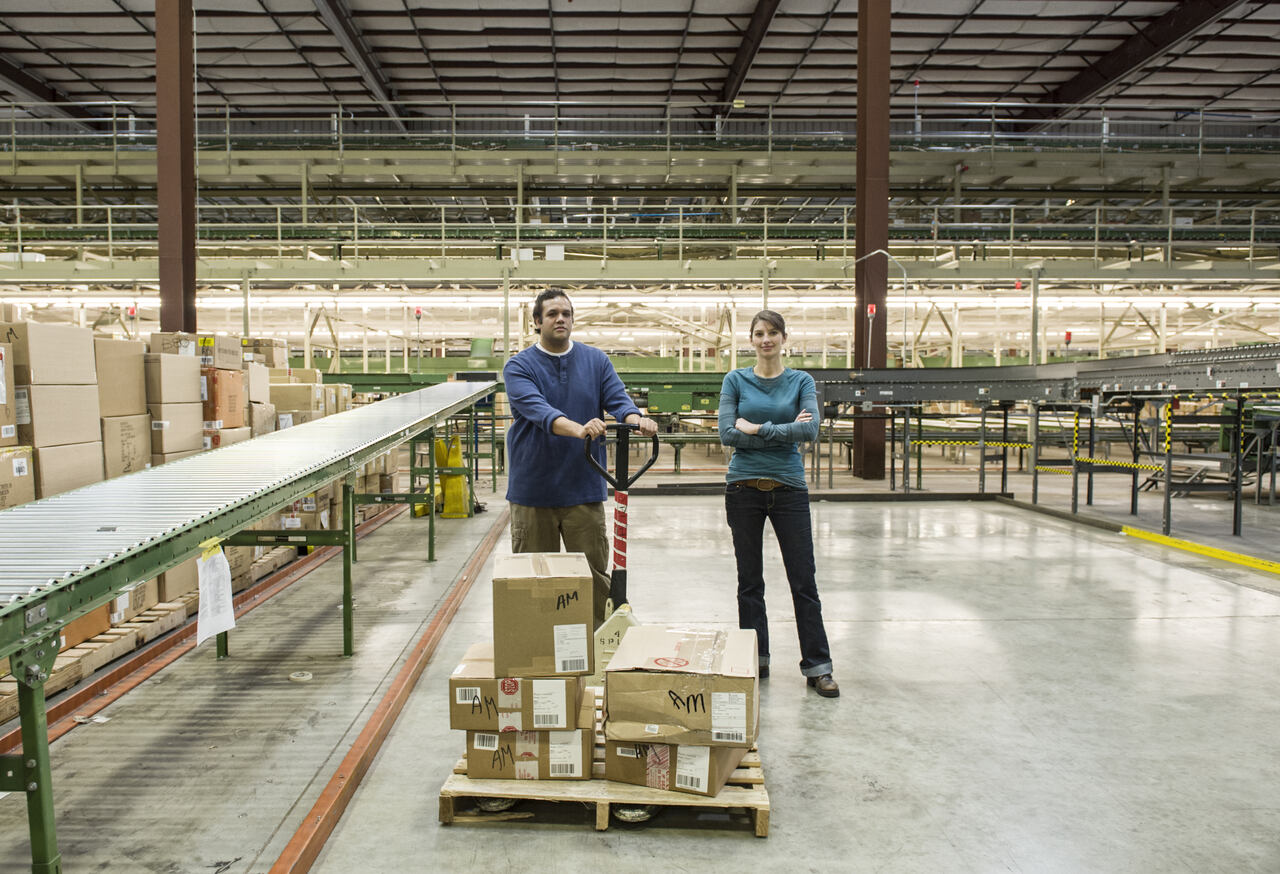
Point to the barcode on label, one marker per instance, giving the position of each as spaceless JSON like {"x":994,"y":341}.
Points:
{"x":552,"y":719}
{"x":467,"y":694}
{"x":567,"y":769}
{"x":686,"y":782}
{"x":572,"y":665}
{"x":486,"y":741}
{"x":729,"y":736}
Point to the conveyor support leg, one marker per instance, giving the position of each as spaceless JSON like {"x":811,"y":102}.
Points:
{"x":348,"y":556}
{"x":33,"y":775}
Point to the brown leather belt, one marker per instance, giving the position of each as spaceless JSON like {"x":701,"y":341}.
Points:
{"x":764,"y":485}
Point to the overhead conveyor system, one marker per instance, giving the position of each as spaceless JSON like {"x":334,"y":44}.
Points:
{"x":1241,"y":368}
{"x":65,"y":555}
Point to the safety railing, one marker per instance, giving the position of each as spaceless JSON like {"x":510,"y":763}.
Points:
{"x":123,"y":126}
{"x":380,"y":230}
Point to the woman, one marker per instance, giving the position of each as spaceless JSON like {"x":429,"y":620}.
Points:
{"x":766,"y":481}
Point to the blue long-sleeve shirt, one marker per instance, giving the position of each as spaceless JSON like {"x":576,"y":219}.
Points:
{"x":773,"y":404}
{"x":545,"y":469}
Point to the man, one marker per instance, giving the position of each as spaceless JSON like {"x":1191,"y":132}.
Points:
{"x":559,"y":390}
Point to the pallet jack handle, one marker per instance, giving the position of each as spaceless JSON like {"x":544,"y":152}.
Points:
{"x":620,"y":482}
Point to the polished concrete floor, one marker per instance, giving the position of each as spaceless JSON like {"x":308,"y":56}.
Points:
{"x":1019,"y":693}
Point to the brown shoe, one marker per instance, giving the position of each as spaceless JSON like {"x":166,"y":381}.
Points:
{"x":825,"y":686}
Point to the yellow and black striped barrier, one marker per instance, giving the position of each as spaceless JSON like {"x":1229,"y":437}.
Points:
{"x":1113,"y":463}
{"x":1065,"y":471}
{"x":969,"y":443}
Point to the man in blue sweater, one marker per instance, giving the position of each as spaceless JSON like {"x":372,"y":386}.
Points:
{"x":559,"y":390}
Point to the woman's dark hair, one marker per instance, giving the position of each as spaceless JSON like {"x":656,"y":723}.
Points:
{"x":770,"y":317}
{"x":547,"y":295}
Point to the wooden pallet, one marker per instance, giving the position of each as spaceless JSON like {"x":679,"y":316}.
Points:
{"x":81,"y":661}
{"x":745,"y":792}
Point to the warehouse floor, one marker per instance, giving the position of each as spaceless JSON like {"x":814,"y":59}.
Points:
{"x":1018,"y":693}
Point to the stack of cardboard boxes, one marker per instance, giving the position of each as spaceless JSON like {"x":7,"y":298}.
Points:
{"x":56,"y":403}
{"x":522,"y":699}
{"x":682,"y":707}
{"x":17,"y":477}
{"x":122,"y":402}
{"x":172,"y":382}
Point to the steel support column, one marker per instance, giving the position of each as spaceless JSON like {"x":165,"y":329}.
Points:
{"x":175,"y":164}
{"x":871,"y":275}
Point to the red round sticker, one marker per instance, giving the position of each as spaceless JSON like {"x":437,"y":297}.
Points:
{"x":671,"y":663}
{"x":510,"y":686}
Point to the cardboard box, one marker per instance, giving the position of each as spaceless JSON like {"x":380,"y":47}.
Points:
{"x":133,"y":599}
{"x":63,"y":468}
{"x":176,"y":427}
{"x":290,"y":418}
{"x":257,"y":383}
{"x":222,"y":393}
{"x":344,"y":397}
{"x":90,"y":625}
{"x":121,"y":380}
{"x":55,"y":415}
{"x":174,"y":343}
{"x":275,"y":353}
{"x":308,"y":375}
{"x":280,"y":374}
{"x":683,"y":686}
{"x":225,"y":437}
{"x":262,"y":419}
{"x":530,"y":755}
{"x":8,"y":407}
{"x":159,"y":458}
{"x":50,"y":354}
{"x":220,"y":350}
{"x":17,"y":477}
{"x":171,"y":379}
{"x":126,"y":444}
{"x":179,"y":580}
{"x":480,"y":702}
{"x":542,"y":615}
{"x":297,"y":396}
{"x":698,"y":770}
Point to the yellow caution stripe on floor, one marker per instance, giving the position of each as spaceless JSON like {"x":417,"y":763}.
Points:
{"x":1250,"y":561}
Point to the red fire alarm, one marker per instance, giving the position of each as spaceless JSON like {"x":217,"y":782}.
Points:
{"x":133,"y":311}
{"x":1017,"y":285}
{"x":417,"y":312}
{"x":871,"y":311}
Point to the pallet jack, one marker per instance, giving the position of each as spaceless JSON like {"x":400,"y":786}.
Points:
{"x":617,"y":609}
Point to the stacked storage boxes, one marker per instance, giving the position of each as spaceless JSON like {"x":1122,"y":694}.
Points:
{"x":173,"y":398}
{"x":57,"y":403}
{"x":681,"y":707}
{"x":223,"y":391}
{"x":122,"y":403}
{"x":17,"y":477}
{"x":522,"y":698}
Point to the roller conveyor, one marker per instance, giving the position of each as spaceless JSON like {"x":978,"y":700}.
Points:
{"x":70,"y":553}
{"x":49,"y":545}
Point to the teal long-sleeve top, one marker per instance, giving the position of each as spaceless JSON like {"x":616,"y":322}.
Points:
{"x":773,"y":404}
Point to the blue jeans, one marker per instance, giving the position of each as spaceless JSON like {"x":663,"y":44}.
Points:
{"x":788,"y":510}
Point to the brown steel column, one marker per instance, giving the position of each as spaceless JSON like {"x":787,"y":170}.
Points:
{"x":871,"y":217}
{"x":175,"y":164}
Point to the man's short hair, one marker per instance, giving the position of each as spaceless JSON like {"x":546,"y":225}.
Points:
{"x":547,"y":295}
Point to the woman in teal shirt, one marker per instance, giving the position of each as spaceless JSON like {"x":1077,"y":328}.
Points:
{"x":766,"y":412}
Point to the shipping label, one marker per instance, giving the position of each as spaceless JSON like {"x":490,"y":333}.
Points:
{"x":729,"y":717}
{"x":565,"y":754}
{"x":22,"y":403}
{"x":571,"y":648}
{"x":693,"y":768}
{"x":549,"y":710}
